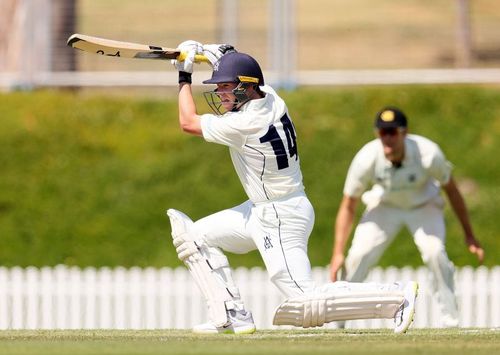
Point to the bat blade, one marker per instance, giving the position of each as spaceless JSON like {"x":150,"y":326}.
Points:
{"x":112,"y":48}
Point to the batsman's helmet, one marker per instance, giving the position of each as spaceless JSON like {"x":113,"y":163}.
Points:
{"x":236,"y":67}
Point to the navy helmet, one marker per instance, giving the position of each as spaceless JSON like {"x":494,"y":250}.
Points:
{"x":236,"y":67}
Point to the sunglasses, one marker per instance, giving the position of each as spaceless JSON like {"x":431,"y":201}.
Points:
{"x":388,"y":131}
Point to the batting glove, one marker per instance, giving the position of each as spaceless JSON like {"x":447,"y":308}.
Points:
{"x":191,"y":48}
{"x":215,"y":51}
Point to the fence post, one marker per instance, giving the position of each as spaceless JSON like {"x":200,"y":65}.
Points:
{"x":90,"y":296}
{"x":282,"y":43}
{"x":61,"y":296}
{"x":150,"y":289}
{"x":120,"y":295}
{"x":181,"y":282}
{"x":74,"y":298}
{"x":481,"y":290}
{"x":17,"y":285}
{"x":4,"y":296}
{"x":32,"y":297}
{"x":135,"y":289}
{"x":494,"y":283}
{"x":165,"y":295}
{"x":227,"y":29}
{"x":463,"y":40}
{"x":465,"y":285}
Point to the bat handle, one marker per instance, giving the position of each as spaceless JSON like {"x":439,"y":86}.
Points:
{"x":198,"y":58}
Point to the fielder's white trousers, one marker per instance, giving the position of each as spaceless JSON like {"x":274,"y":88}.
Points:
{"x":377,"y":229}
{"x":278,"y":229}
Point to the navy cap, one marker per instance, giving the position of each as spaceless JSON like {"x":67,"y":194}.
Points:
{"x":236,"y":67}
{"x":390,"y":117}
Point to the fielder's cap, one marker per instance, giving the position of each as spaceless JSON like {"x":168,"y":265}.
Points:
{"x":236,"y":67}
{"x":390,"y":117}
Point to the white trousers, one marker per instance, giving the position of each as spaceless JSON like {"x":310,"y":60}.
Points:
{"x":378,"y":228}
{"x":279,"y":230}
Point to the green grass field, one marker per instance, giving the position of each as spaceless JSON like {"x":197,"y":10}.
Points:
{"x":377,"y":341}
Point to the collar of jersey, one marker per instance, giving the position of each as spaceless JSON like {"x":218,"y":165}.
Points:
{"x":408,"y":155}
{"x":254,"y":104}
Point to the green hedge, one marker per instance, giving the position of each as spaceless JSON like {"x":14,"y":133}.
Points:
{"x":86,"y":179}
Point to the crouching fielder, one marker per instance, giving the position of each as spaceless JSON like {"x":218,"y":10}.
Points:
{"x":277,"y":219}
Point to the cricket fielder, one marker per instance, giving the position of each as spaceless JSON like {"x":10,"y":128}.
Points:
{"x":254,"y":123}
{"x":399,"y":177}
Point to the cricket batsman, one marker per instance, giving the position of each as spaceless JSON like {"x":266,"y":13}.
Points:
{"x":253,"y":121}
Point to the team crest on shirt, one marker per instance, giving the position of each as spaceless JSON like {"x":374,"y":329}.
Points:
{"x":267,"y":242}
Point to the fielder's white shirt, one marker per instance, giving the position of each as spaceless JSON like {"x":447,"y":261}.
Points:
{"x":262,"y":143}
{"x":417,"y":182}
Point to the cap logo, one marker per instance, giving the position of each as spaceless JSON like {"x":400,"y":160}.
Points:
{"x":387,"y":116}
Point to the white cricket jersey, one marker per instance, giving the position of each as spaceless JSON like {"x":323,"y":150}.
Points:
{"x":262,"y":143}
{"x":424,"y":169}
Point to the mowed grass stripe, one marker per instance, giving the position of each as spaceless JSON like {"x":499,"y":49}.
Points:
{"x":378,"y":341}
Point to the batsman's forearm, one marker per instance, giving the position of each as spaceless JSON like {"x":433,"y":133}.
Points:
{"x":188,"y":118}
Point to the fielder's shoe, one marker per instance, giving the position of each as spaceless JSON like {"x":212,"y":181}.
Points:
{"x":240,"y":322}
{"x":404,"y":316}
{"x":448,"y":321}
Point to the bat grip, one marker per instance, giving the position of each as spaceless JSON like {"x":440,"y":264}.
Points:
{"x":198,"y":58}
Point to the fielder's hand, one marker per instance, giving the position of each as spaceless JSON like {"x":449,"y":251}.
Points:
{"x":191,"y":48}
{"x":215,"y":51}
{"x":336,"y":265}
{"x":475,"y":248}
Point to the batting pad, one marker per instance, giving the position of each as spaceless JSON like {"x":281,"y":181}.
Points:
{"x":314,"y":310}
{"x":215,"y":295}
{"x":206,"y":266}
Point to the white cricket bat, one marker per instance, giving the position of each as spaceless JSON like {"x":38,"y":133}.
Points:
{"x":113,"y":48}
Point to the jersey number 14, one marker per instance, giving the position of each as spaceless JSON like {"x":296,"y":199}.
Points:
{"x":279,"y":149}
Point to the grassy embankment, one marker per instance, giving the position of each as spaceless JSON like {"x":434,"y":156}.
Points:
{"x":86,"y":179}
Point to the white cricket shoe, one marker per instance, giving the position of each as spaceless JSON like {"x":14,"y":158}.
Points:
{"x":240,"y":322}
{"x":449,"y":321}
{"x":404,"y":316}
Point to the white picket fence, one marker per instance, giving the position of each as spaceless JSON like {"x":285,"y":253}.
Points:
{"x":71,"y":298}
